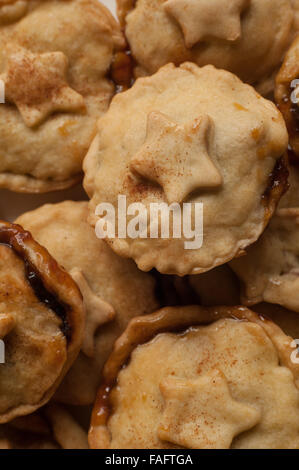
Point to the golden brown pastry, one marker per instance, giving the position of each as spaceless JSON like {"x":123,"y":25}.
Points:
{"x":55,"y":57}
{"x":41,"y":323}
{"x":186,"y":136}
{"x":199,"y":378}
{"x":113,"y":289}
{"x":52,"y":427}
{"x":287,"y":320}
{"x":269,"y":271}
{"x":246,"y":37}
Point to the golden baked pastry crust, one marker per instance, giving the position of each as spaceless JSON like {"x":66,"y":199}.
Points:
{"x":248,"y":38}
{"x":51,"y":427}
{"x":269,"y":271}
{"x":113,"y":289}
{"x":162,"y":332}
{"x":41,"y":318}
{"x":164,"y":123}
{"x":56,"y":87}
{"x":284,"y":318}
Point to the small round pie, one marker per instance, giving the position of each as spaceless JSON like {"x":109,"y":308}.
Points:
{"x":246,"y":37}
{"x":41,"y":323}
{"x":269,"y":271}
{"x":114,"y":290}
{"x":186,"y":136}
{"x":55,"y":57}
{"x":287,"y":95}
{"x":199,"y":378}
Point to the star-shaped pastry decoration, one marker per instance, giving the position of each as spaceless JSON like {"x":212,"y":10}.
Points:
{"x":202,"y":414}
{"x":177,"y":157}
{"x":201,"y":19}
{"x":7,"y":323}
{"x":37,"y":85}
{"x":98,"y":312}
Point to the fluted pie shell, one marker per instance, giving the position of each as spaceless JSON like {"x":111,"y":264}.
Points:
{"x":246,"y":37}
{"x":41,"y":323}
{"x":195,"y":377}
{"x":188,"y":135}
{"x":114,"y":290}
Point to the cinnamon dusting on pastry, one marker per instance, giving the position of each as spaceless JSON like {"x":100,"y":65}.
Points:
{"x":37,"y":85}
{"x":177,"y":157}
{"x":205,"y":403}
{"x":141,"y":331}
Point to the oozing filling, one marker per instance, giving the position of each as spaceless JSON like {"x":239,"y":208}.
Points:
{"x":278,"y":179}
{"x":46,"y":297}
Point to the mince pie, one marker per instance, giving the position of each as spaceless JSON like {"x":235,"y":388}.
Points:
{"x":246,"y":37}
{"x":55,"y":57}
{"x":113,"y":289}
{"x":188,"y":138}
{"x":41,"y":323}
{"x":199,"y":378}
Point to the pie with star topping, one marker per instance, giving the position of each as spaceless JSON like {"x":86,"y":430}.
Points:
{"x":41,"y":323}
{"x":186,"y":136}
{"x":55,"y":58}
{"x":246,"y":37}
{"x":198,"y":378}
{"x":113,"y":289}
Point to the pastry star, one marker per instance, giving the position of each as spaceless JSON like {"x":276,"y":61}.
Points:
{"x":98,"y":312}
{"x":200,"y":19}
{"x":202,"y":414}
{"x":176,"y":157}
{"x":37,"y":85}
